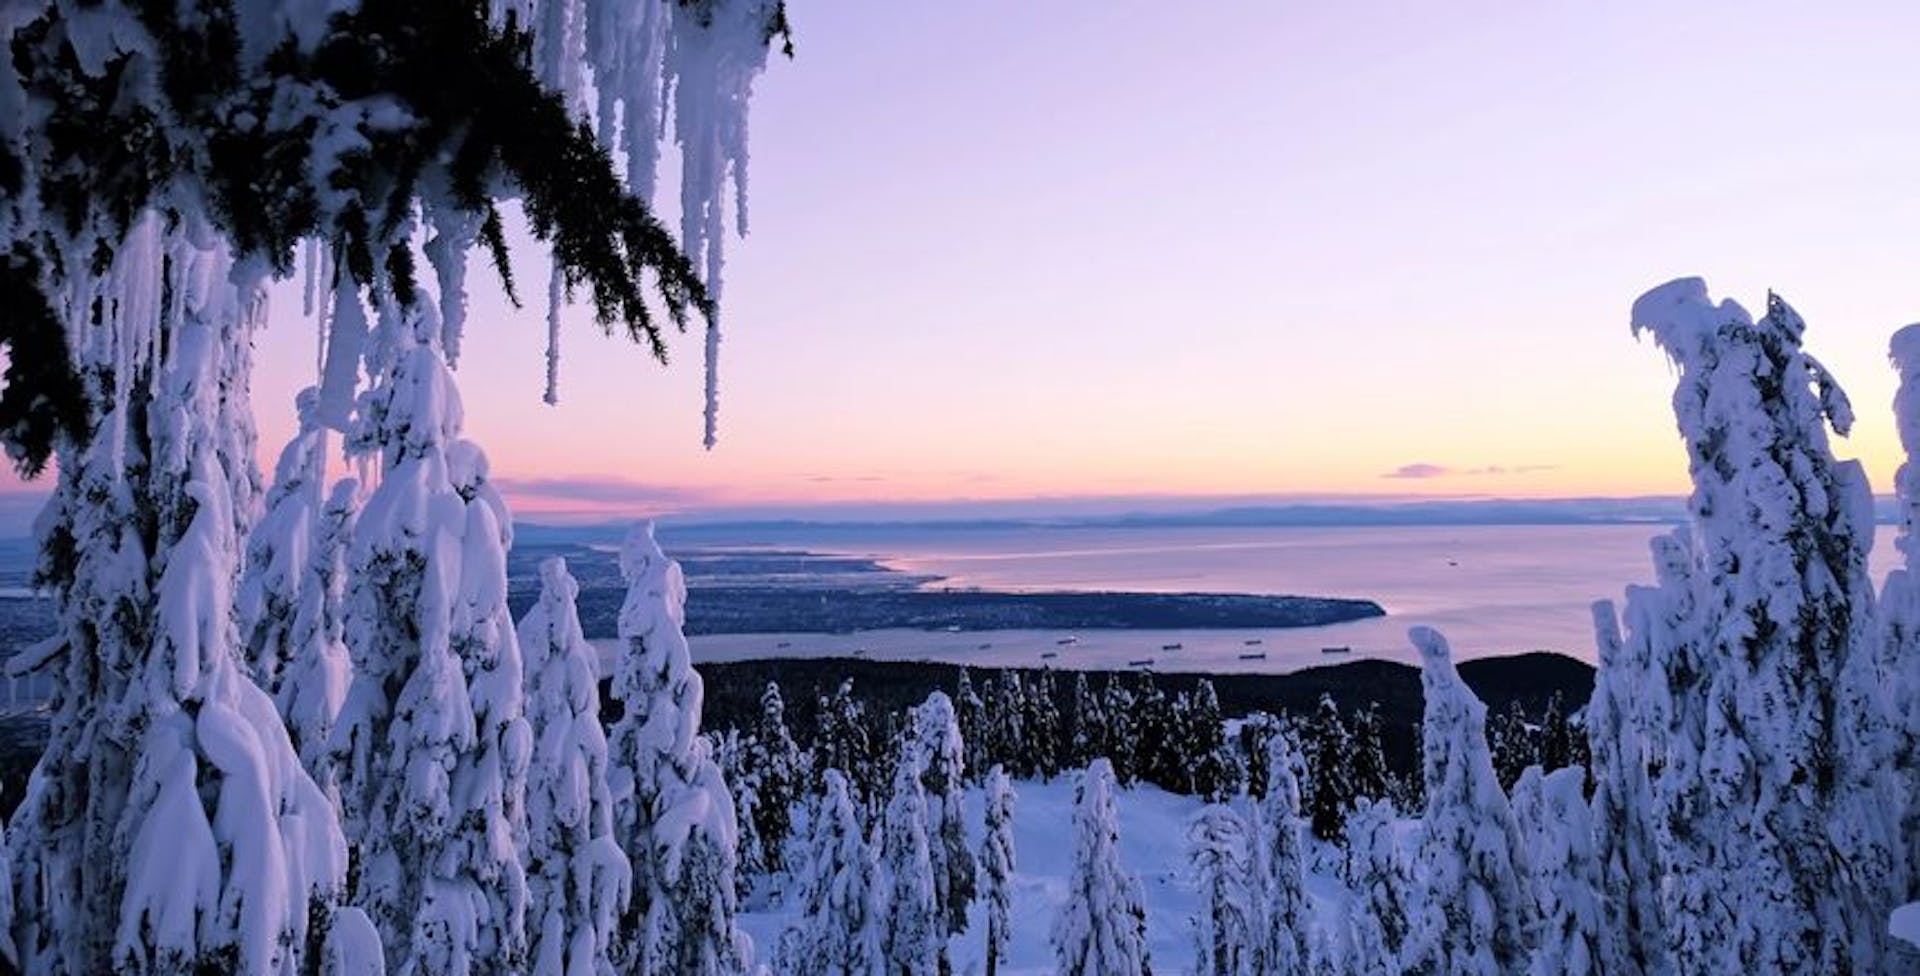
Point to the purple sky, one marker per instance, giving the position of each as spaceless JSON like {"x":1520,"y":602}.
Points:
{"x":1073,"y":248}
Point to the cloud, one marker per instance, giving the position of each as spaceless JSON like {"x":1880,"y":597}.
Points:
{"x":1422,"y":469}
{"x":612,"y":493}
{"x":1497,"y":469}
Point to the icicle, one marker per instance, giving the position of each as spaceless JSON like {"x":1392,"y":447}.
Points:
{"x":454,"y":232}
{"x":556,"y":293}
{"x":309,"y":272}
{"x":340,"y":371}
{"x":712,"y":411}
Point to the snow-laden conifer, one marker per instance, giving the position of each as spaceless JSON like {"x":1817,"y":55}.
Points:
{"x":912,"y":929}
{"x":1101,"y":929}
{"x":837,"y":930}
{"x":1899,"y":609}
{"x":1779,"y":848}
{"x":776,"y":766}
{"x":1377,"y":919}
{"x":1632,"y":935}
{"x":673,"y":814}
{"x":1566,"y":873}
{"x":1220,"y":853}
{"x":997,"y":863}
{"x":432,"y":742}
{"x":939,"y":754}
{"x":169,"y":824}
{"x":1280,"y":836}
{"x":1473,"y":915}
{"x":578,"y":878}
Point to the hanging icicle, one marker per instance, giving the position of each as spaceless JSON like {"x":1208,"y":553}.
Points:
{"x":556,"y":294}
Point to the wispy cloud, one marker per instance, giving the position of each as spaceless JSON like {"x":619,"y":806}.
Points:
{"x":611,"y":493}
{"x":1423,"y":469}
{"x":1419,"y":469}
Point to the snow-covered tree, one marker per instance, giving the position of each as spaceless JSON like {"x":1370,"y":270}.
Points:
{"x":1227,"y":936}
{"x":1122,"y":744}
{"x":673,"y":814}
{"x":1899,"y":609}
{"x":1041,"y":726}
{"x":1280,"y":863}
{"x":1102,"y":926}
{"x":1370,"y":777}
{"x":974,"y":725}
{"x":1475,"y":915}
{"x":432,"y":739}
{"x":842,"y":742}
{"x":169,"y":824}
{"x":158,"y":164}
{"x":291,"y":593}
{"x":1566,"y":875}
{"x":1329,"y":759}
{"x":278,"y":560}
{"x":997,"y":863}
{"x":578,"y":878}
{"x":1770,"y":788}
{"x":1514,"y":742}
{"x":837,"y":930}
{"x":1377,"y":918}
{"x":1086,"y":740}
{"x":1633,"y":939}
{"x":1007,"y":709}
{"x":776,"y":765}
{"x":912,"y":927}
{"x":1213,"y":771}
{"x":939,"y":754}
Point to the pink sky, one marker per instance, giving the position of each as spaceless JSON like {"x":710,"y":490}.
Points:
{"x":1003,"y":250}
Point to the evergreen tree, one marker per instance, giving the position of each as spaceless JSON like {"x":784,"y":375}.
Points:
{"x":1370,"y":776}
{"x":1515,"y":743}
{"x":1558,"y":748}
{"x":1780,"y":853}
{"x":1282,"y":871}
{"x":842,"y":742}
{"x":169,"y":823}
{"x":1088,"y":740}
{"x":673,"y":813}
{"x":1214,"y":772}
{"x":1042,"y":726}
{"x":912,"y":931}
{"x":1566,"y":875}
{"x":1122,"y":731}
{"x":997,"y":865}
{"x":1475,"y":917}
{"x":1226,"y":930}
{"x":1330,"y":762}
{"x":1156,"y":755}
{"x":938,"y":755}
{"x":1377,"y":920}
{"x":1255,"y":734}
{"x":578,"y":878}
{"x":1899,"y":613}
{"x":776,"y":766}
{"x":836,"y":932}
{"x":433,"y":746}
{"x":313,"y":687}
{"x":1102,"y":927}
{"x":1008,"y":711}
{"x":271,"y":592}
{"x":974,"y":725}
{"x":1633,"y":939}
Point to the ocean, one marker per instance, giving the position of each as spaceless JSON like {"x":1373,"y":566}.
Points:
{"x":1492,"y":590}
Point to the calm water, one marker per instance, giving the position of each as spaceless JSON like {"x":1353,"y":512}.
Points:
{"x":1490,"y":589}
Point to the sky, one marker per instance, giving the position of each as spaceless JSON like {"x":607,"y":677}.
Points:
{"x":1010,"y":250}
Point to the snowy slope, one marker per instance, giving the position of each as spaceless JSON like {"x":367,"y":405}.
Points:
{"x":1153,"y":846}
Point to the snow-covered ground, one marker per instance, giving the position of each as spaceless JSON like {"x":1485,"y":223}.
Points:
{"x":1153,"y":832}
